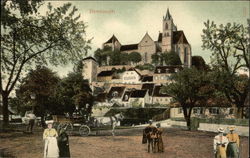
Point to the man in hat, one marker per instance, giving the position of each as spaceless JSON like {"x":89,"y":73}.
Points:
{"x":220,"y":144}
{"x":149,"y":133}
{"x":49,"y":136}
{"x":31,"y":117}
{"x":159,"y":142}
{"x":234,"y":143}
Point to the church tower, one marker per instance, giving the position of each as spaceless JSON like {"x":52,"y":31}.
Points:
{"x":167,"y":33}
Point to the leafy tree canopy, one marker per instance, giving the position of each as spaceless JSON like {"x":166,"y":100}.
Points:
{"x":29,"y":38}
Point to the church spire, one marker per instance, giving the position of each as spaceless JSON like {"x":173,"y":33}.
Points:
{"x":168,"y":16}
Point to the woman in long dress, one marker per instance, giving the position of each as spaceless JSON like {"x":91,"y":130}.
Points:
{"x":63,"y":143}
{"x":50,"y":147}
{"x":234,"y":143}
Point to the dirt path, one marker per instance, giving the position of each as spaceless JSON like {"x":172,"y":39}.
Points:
{"x":127,"y":144}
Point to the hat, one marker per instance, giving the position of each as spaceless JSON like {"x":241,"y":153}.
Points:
{"x":231,"y":128}
{"x":221,"y":130}
{"x":49,"y":122}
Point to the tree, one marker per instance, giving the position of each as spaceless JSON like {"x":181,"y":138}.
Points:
{"x":42,"y":82}
{"x":135,"y":57}
{"x":115,"y":57}
{"x":199,"y":63}
{"x":32,"y":39}
{"x":73,"y":91}
{"x":171,"y":58}
{"x":189,"y":88}
{"x":155,"y":59}
{"x":230,"y":51}
{"x":124,"y":58}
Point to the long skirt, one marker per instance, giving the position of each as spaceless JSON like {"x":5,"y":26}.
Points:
{"x":160,"y":145}
{"x":232,"y":150}
{"x":51,"y":148}
{"x":221,"y":152}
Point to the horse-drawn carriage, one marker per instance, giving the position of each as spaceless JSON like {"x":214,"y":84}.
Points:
{"x":84,"y":124}
{"x":72,"y":123}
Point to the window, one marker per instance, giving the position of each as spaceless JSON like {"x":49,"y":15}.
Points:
{"x":176,"y":69}
{"x":159,"y":70}
{"x":166,"y":99}
{"x":167,"y":34}
{"x":126,"y":97}
{"x":115,"y":94}
{"x":160,"y":99}
{"x":185,"y":55}
{"x":146,"y":57}
{"x":166,"y":26}
{"x":180,"y":110}
{"x":214,"y":110}
{"x":156,"y":78}
{"x":162,"y":77}
{"x":195,"y":111}
{"x":179,"y":51}
{"x":231,"y":111}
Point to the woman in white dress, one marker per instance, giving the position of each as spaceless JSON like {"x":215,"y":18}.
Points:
{"x":49,"y":136}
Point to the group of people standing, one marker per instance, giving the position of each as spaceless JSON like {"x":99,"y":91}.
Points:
{"x":153,"y":136}
{"x":56,"y":142}
{"x":227,"y":146}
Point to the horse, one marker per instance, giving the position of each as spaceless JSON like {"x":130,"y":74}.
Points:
{"x":109,"y":121}
{"x":150,"y":133}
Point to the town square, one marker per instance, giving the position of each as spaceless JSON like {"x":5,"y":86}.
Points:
{"x":128,"y":79}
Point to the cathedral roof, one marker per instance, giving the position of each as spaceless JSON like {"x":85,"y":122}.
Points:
{"x":178,"y":37}
{"x":112,"y":40}
{"x":129,"y":47}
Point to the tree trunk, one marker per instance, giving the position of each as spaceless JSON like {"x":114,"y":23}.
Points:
{"x":239,"y":113}
{"x":187,"y":117}
{"x":5,"y":109}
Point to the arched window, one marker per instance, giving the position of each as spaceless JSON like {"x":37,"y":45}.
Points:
{"x":185,"y":55}
{"x":146,"y":57}
{"x":179,"y":51}
{"x":166,"y":26}
{"x":167,"y":34}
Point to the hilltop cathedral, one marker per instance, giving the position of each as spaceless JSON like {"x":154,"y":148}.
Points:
{"x":170,"y":39}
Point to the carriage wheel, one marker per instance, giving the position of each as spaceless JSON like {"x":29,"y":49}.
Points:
{"x":67,"y":126}
{"x":84,"y":130}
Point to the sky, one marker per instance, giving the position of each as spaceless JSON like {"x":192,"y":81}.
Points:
{"x":129,"y":21}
